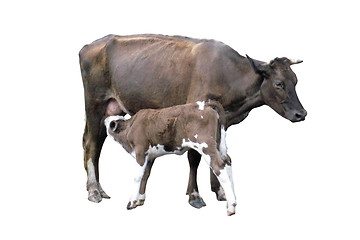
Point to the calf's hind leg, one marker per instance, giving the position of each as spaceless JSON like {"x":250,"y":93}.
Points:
{"x":195,"y":199}
{"x":216,"y":187}
{"x":223,"y":171}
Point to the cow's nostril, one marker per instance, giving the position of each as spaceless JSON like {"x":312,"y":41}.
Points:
{"x":298,"y":115}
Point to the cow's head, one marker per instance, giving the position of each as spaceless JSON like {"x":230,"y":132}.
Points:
{"x":278,"y":87}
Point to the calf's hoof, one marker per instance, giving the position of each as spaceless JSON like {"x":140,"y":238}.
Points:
{"x":230,"y":213}
{"x":134,"y":204}
{"x":220,"y":194}
{"x":231,"y":209}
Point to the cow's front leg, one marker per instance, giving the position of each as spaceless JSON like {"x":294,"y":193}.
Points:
{"x":137,"y":198}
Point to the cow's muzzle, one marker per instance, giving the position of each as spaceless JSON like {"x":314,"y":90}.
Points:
{"x":298,"y":115}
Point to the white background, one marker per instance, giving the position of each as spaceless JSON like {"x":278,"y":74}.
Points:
{"x":293,"y":181}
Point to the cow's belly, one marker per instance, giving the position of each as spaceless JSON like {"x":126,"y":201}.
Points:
{"x":151,"y":93}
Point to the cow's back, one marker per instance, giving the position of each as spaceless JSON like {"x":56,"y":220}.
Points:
{"x":155,"y":71}
{"x":150,"y":71}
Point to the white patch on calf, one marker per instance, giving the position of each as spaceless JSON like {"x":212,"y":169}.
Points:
{"x":159,"y":150}
{"x":156,"y":151}
{"x":223,"y":147}
{"x":201,"y":105}
{"x":226,"y":181}
{"x":127,"y":117}
{"x":196,"y":136}
{"x":198,"y":147}
{"x":136,"y":196}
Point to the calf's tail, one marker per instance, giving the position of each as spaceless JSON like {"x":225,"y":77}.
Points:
{"x":220,"y":111}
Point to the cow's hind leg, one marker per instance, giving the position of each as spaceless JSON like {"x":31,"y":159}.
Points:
{"x":195,"y":199}
{"x":93,"y":140}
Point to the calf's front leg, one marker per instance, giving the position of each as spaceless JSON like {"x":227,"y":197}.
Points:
{"x":137,"y":198}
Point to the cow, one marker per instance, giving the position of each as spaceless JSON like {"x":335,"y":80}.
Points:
{"x":151,"y":133}
{"x":124,"y":74}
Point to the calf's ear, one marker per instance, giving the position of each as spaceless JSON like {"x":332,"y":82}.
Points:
{"x":259,"y":68}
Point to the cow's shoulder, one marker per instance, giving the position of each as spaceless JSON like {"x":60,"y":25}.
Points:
{"x":92,"y":49}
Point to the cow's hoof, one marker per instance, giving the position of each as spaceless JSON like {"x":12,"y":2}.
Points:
{"x":197,"y":203}
{"x":103,"y":193}
{"x":95,"y":196}
{"x":196,"y":200}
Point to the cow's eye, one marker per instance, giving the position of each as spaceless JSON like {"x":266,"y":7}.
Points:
{"x":279,"y":84}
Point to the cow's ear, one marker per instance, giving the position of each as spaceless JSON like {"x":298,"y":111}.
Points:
{"x":259,"y":68}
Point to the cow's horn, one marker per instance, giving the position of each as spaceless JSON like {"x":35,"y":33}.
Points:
{"x":295,"y":61}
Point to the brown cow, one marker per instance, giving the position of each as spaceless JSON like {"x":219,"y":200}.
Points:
{"x":152,"y":133}
{"x":124,"y":74}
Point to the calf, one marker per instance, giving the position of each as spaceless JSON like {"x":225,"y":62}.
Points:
{"x":152,"y":133}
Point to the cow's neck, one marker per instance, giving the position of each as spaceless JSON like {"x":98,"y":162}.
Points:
{"x":248,"y":97}
{"x":241,"y":113}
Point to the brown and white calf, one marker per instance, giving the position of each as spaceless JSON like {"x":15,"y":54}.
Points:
{"x":152,"y":133}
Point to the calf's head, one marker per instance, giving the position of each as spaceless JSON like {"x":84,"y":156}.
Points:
{"x":114,"y":125}
{"x":278,"y":87}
